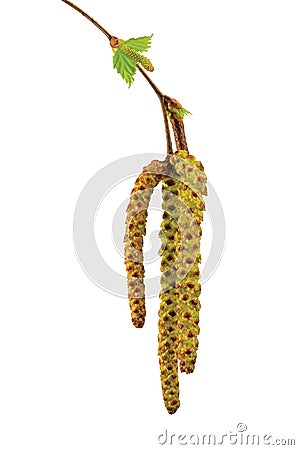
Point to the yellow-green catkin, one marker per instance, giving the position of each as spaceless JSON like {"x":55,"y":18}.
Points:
{"x":190,"y":191}
{"x":137,"y":211}
{"x":137,"y":57}
{"x":168,"y":319}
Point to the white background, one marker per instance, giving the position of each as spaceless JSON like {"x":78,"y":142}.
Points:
{"x":75,"y":374}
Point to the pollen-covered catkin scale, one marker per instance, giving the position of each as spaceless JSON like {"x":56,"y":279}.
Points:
{"x":188,"y":287}
{"x":195,"y":176}
{"x":133,"y":239}
{"x":168,"y":331}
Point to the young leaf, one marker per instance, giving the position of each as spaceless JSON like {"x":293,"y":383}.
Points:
{"x":181,"y":111}
{"x":141,"y":44}
{"x":124,"y":66}
{"x":127,"y":56}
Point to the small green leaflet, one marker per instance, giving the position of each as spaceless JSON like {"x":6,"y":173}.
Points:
{"x":125,"y":65}
{"x":141,"y":44}
{"x":181,"y":112}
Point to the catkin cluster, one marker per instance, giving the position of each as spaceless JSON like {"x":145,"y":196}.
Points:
{"x":183,"y":187}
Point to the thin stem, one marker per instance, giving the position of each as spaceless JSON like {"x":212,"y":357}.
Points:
{"x":162,"y":101}
{"x":150,"y":81}
{"x":166,"y":127}
{"x":179,"y":133}
{"x":108,"y":35}
{"x":152,"y":84}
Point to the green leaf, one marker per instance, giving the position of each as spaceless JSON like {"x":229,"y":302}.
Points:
{"x":141,"y":44}
{"x":124,"y":66}
{"x":126,"y":57}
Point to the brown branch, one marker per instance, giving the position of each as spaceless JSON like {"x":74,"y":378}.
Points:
{"x":87,"y":16}
{"x":151,"y":83}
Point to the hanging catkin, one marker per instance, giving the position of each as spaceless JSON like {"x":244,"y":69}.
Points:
{"x":168,"y":321}
{"x":137,"y":211}
{"x":190,"y":191}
